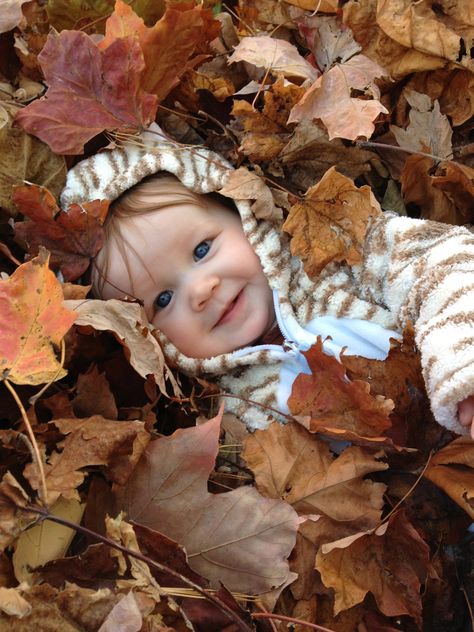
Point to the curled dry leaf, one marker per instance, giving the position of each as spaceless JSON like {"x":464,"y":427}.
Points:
{"x":274,"y":54}
{"x":331,"y":222}
{"x":328,"y":401}
{"x":73,"y":236}
{"x":418,"y":26}
{"x":247,"y":185}
{"x":92,"y":441}
{"x":330,"y":100}
{"x":238,"y":538}
{"x":444,"y":193}
{"x":89,"y":91}
{"x":452,"y":469}
{"x":33,"y":322}
{"x":392,"y":562}
{"x":290,"y":463}
{"x":129,"y":324}
{"x":11,"y":14}
{"x":429,"y":131}
{"x":13,"y":518}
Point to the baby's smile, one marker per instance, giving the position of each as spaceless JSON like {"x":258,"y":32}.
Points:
{"x":201,"y":282}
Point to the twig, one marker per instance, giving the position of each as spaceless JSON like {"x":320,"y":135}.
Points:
{"x":43,"y":491}
{"x":368,"y":143}
{"x":33,"y":399}
{"x":143,"y":558}
{"x":402,"y":500}
{"x":281,"y":617}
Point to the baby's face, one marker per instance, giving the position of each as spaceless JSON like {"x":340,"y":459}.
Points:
{"x":201,"y":282}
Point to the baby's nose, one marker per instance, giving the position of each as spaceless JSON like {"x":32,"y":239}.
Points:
{"x":202,"y":290}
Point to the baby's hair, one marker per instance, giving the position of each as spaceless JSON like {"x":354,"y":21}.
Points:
{"x":156,"y":192}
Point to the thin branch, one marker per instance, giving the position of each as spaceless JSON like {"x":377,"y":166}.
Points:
{"x":43,"y":491}
{"x":143,"y":558}
{"x":281,"y":617}
{"x":369,"y":144}
{"x":34,"y":398}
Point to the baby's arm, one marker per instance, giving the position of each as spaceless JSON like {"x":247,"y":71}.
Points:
{"x":424,"y":273}
{"x":466,"y":413}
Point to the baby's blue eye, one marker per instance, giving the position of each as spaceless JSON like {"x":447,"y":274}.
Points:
{"x":202,"y":249}
{"x":163,"y":299}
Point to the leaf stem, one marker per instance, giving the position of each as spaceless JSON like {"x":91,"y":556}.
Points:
{"x":281,"y":617}
{"x":139,"y":556}
{"x":43,"y":491}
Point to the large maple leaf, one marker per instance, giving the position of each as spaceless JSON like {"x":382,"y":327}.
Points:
{"x":90,"y":90}
{"x":32,"y":323}
{"x":167,"y":46}
{"x":239,"y":538}
{"x":331,"y":222}
{"x":327,"y":402}
{"x":73,"y":237}
{"x":390,"y":562}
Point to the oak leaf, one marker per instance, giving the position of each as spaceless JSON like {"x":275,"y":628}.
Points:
{"x":290,"y":463}
{"x":129,"y":323}
{"x":329,"y":403}
{"x":89,"y":91}
{"x":238,"y":538}
{"x":390,"y":562}
{"x":274,"y":54}
{"x":33,"y":322}
{"x":331,"y":222}
{"x":452,"y":469}
{"x":11,"y":14}
{"x":167,"y":46}
{"x":330,"y":100}
{"x":23,"y":157}
{"x":92,"y":441}
{"x":73,"y":236}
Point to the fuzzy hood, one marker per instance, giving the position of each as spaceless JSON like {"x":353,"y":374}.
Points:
{"x":110,"y":173}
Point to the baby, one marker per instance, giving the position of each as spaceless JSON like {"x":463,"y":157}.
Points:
{"x":224,"y":292}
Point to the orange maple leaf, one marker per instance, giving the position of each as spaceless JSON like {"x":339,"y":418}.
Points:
{"x":32,"y":322}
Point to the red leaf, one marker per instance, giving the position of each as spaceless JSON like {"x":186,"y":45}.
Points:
{"x":89,"y":91}
{"x":72,"y":236}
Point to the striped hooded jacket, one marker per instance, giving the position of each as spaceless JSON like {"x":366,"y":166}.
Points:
{"x":412,"y":270}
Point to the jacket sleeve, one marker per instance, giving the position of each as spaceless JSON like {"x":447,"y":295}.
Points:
{"x":423,"y":272}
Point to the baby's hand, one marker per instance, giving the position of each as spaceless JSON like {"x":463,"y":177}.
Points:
{"x":466,"y":413}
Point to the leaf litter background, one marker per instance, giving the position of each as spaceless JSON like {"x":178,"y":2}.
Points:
{"x":371,"y":537}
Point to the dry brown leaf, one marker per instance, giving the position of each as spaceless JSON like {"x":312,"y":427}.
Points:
{"x":93,"y":396}
{"x":452,"y":469}
{"x":391,"y":563}
{"x":429,"y":131}
{"x":92,"y":441}
{"x":446,"y":197}
{"x":125,"y":615}
{"x":330,"y":100}
{"x":416,"y":25}
{"x":128,"y":322}
{"x":12,"y":603}
{"x":239,"y":538}
{"x":325,"y":6}
{"x":13,"y":518}
{"x":24,"y":157}
{"x":398,"y":60}
{"x":454,"y":89}
{"x":326,"y":39}
{"x":278,"y":55}
{"x":291,"y":464}
{"x":331,"y":222}
{"x":247,"y":185}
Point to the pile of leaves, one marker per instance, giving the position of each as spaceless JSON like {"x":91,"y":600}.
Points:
{"x":127,"y":500}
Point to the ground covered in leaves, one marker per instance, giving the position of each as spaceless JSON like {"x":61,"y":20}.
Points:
{"x":128,"y":501}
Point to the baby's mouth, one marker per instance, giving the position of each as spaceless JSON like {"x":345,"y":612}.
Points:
{"x":225,"y":316}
